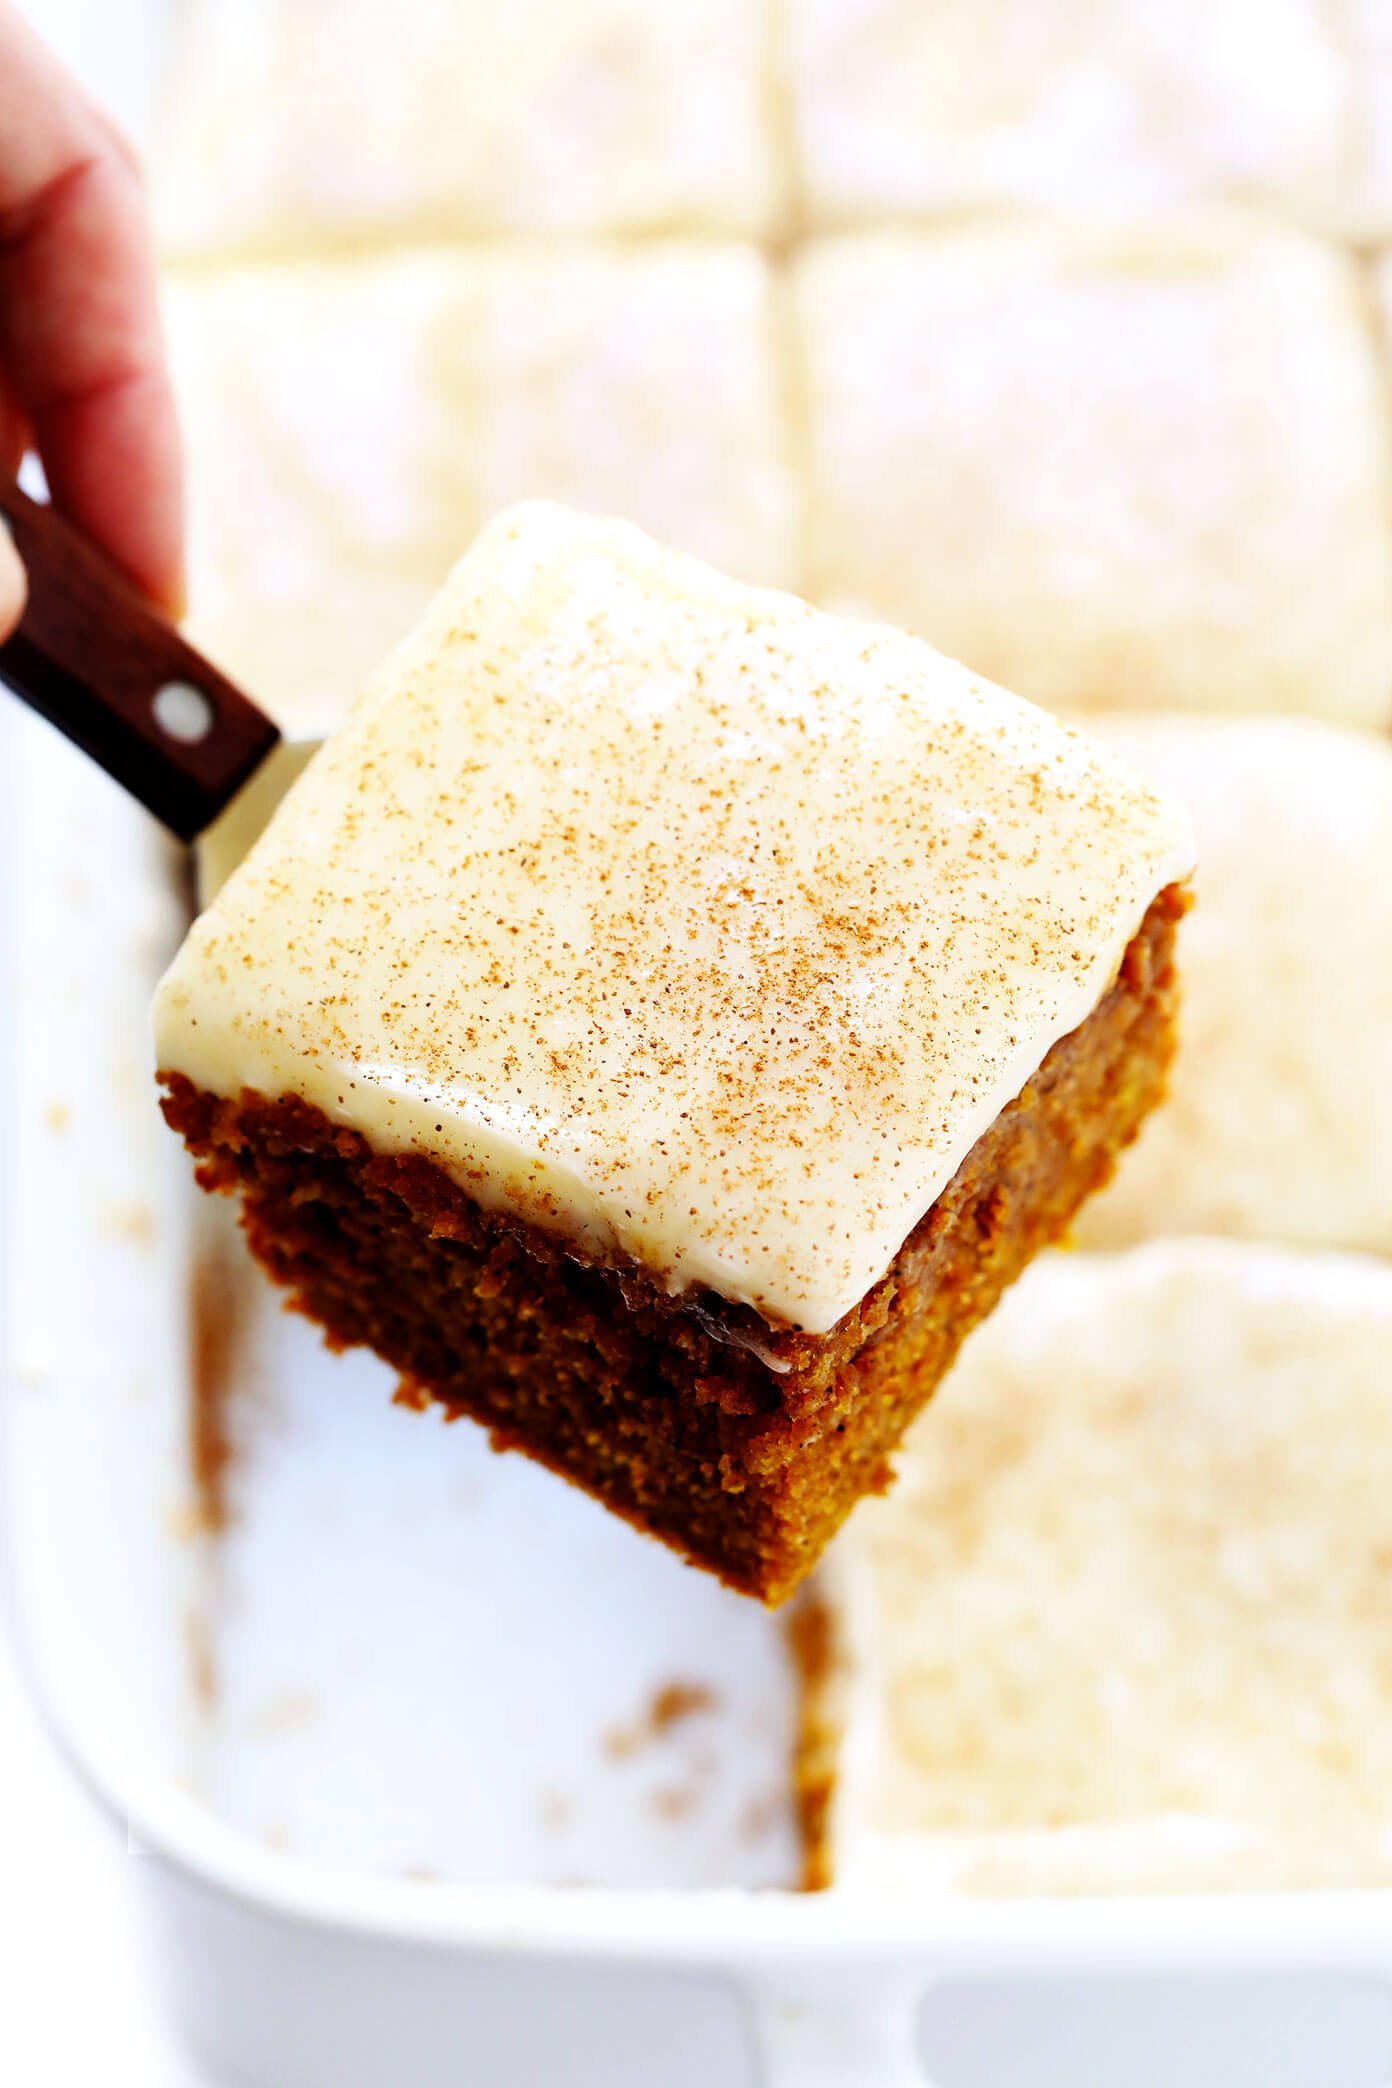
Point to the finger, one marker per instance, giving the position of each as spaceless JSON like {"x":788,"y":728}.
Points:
{"x":80,"y":339}
{"x":12,"y":584}
{"x":14,"y":436}
{"x":13,"y":443}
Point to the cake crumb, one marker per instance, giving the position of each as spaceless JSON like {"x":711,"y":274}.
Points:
{"x":198,"y":1642}
{"x":134,"y":1222}
{"x":673,"y":1801}
{"x":555,"y":1811}
{"x":678,"y":1700}
{"x":669,"y":1705}
{"x":290,"y":1711}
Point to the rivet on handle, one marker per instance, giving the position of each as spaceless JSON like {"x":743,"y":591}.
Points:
{"x":183,"y":713}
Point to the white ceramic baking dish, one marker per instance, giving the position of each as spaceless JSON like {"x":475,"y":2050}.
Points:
{"x":173,"y":1668}
{"x":347,"y":1738}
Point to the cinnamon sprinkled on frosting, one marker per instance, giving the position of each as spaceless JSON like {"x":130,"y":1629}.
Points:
{"x":673,"y":914}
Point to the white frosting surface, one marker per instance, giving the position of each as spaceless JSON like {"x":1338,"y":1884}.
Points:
{"x":1114,"y":465}
{"x":291,"y":125}
{"x":1121,"y":1624}
{"x":1278,"y":1122}
{"x":902,"y":110}
{"x":351,"y":422}
{"x":689,"y":921}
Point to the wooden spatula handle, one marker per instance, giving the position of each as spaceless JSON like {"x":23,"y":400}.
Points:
{"x":93,"y":657}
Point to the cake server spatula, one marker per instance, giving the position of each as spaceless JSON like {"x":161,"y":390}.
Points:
{"x":98,"y":661}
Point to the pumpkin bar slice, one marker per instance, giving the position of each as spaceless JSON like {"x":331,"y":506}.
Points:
{"x":1122,"y":1626}
{"x":664,"y":1017}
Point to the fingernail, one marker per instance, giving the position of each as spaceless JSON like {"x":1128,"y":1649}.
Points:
{"x":13,"y":584}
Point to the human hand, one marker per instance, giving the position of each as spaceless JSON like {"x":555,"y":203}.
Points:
{"x":82,"y":371}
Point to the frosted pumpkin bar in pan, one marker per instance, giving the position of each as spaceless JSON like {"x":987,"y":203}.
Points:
{"x":1122,"y":1623}
{"x":1278,"y":1122}
{"x":351,"y":423}
{"x":1110,"y":465}
{"x":291,"y":126}
{"x":664,"y":1018}
{"x":901,"y":110}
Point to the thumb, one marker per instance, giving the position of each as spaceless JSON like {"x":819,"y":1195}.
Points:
{"x":13,"y":586}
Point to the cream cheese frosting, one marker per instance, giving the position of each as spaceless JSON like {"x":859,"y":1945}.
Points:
{"x":1114,"y":464}
{"x":1276,"y":1125}
{"x":1121,"y":1625}
{"x":676,"y":916}
{"x":351,"y":421}
{"x":290,"y":126}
